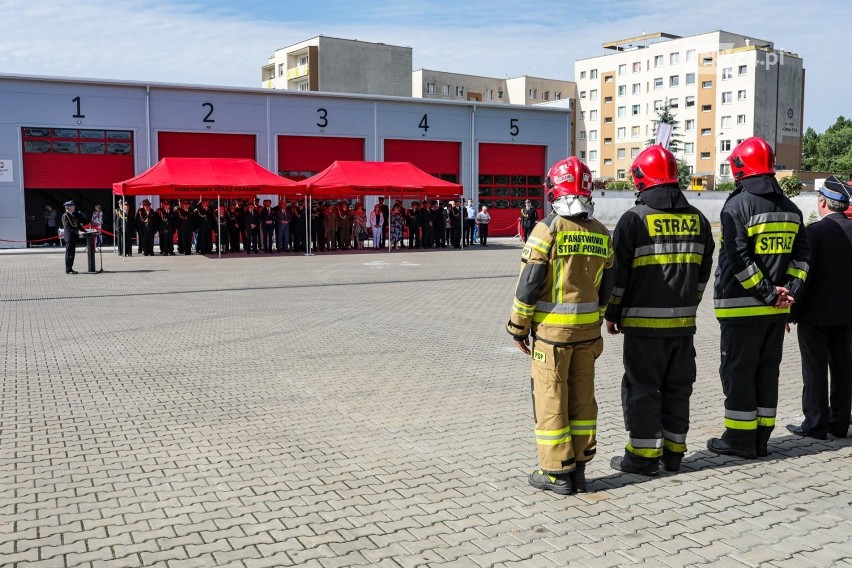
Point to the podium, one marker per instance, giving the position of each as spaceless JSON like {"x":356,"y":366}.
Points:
{"x":91,"y":243}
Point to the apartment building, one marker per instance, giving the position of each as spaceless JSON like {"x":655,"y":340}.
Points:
{"x":524,"y":90}
{"x":721,"y":87}
{"x":335,"y":65}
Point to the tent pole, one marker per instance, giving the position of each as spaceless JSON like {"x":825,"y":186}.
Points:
{"x":307,"y":228}
{"x":219,"y":225}
{"x":389,"y":225}
{"x":463,"y":228}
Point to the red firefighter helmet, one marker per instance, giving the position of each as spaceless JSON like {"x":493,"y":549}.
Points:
{"x":568,"y":177}
{"x":652,"y":167}
{"x":752,"y":157}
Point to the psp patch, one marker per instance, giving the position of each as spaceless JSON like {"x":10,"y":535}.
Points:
{"x":539,"y":356}
{"x":526,"y":252}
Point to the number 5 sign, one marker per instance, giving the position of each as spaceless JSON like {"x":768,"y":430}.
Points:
{"x":6,"y":171}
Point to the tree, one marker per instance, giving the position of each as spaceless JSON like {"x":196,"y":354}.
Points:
{"x":810,"y":151}
{"x":791,"y":185}
{"x":683,"y":174}
{"x":830,"y":151}
{"x":666,"y":116}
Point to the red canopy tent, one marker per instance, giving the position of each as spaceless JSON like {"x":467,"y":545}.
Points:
{"x":392,"y":179}
{"x":206,"y":177}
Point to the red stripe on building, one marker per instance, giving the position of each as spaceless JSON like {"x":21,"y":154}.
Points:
{"x":303,"y":156}
{"x":205,"y":145}
{"x":433,"y":157}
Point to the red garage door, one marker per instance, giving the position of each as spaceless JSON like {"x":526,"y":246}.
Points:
{"x":204,"y":145}
{"x":300,"y":157}
{"x":510,"y":174}
{"x":440,"y":159}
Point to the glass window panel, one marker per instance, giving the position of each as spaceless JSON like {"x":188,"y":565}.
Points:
{"x":119,"y":134}
{"x":65,"y":147}
{"x":534,"y":191}
{"x":519,"y":180}
{"x":501,"y":180}
{"x":36,"y":146}
{"x":64,"y":133}
{"x":91,"y":134}
{"x":485,"y":191}
{"x":519,"y":192}
{"x":91,"y":148}
{"x":501,"y":191}
{"x":486,"y":179}
{"x":36,"y":132}
{"x":501,"y":204}
{"x":534,"y":180}
{"x":118,"y":148}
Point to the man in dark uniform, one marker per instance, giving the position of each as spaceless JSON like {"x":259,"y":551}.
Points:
{"x":71,"y":224}
{"x":252,"y":223}
{"x":297,"y":227}
{"x":529,"y":217}
{"x":455,"y":224}
{"x":235,"y":223}
{"x":166,"y":225}
{"x":412,"y":219}
{"x":425,"y":216}
{"x":124,"y":229}
{"x":204,"y":224}
{"x":317,"y":226}
{"x":438,"y":231}
{"x":267,"y":226}
{"x":824,"y":316}
{"x":282,"y":227}
{"x":146,"y":224}
{"x":185,"y":227}
{"x":386,"y":213}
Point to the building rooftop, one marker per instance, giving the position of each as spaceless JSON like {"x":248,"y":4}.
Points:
{"x":633,"y":42}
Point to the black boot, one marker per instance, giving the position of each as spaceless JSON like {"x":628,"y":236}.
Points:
{"x":671,"y":460}
{"x":578,"y":478}
{"x":763,"y":433}
{"x":560,"y":484}
{"x":721,"y":447}
{"x":633,"y":464}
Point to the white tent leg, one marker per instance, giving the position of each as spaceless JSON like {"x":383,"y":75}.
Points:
{"x":219,"y":225}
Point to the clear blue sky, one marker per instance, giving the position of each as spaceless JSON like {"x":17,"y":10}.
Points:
{"x":223,"y":42}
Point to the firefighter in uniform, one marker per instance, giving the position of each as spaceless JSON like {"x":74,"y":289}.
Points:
{"x":146,"y":224}
{"x":186,"y":226}
{"x":565,"y":281}
{"x":663,"y":243}
{"x":166,"y":223}
{"x":71,"y":225}
{"x":529,"y":217}
{"x":763,"y":264}
{"x":824,"y":318}
{"x":124,"y":229}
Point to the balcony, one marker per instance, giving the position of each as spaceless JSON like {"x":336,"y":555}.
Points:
{"x":297,"y":71}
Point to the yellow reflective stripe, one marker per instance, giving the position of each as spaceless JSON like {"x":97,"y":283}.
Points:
{"x":754,"y":311}
{"x":566,"y":430}
{"x":674,"y":446}
{"x":601,"y":310}
{"x":796,"y":273}
{"x":674,"y":258}
{"x":777,"y":227}
{"x":564,"y":440}
{"x":557,"y":281}
{"x":566,"y":319}
{"x":538,"y":244}
{"x":660,"y":323}
{"x":583,"y":427}
{"x":599,"y":275}
{"x":766,"y":421}
{"x":753,"y":281}
{"x":741,"y":424}
{"x":522,"y":309}
{"x":615,"y":300}
{"x":553,"y":437}
{"x":644,"y":452}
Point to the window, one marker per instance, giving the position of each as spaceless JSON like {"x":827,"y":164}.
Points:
{"x":593,"y":155}
{"x":607,"y":120}
{"x":706,"y":84}
{"x":658,"y":83}
{"x":303,"y":86}
{"x":743,"y":70}
{"x":658,"y":61}
{"x":582,"y":135}
{"x":621,"y":153}
{"x":533,"y":94}
{"x":593,"y":134}
{"x":622,"y":111}
{"x":557,"y":95}
{"x":582,"y":74}
{"x":727,"y":73}
{"x":690,"y":55}
{"x":593,"y":74}
{"x":594,"y":174}
{"x":727,"y":97}
{"x":636,"y":89}
{"x":689,"y":124}
{"x":707,"y":61}
{"x":582,"y":115}
{"x":622,"y":90}
{"x":726,"y":122}
{"x":690,"y":78}
{"x":607,"y":140}
{"x":445,"y":90}
{"x":622,"y":69}
{"x":634,"y":110}
{"x":303,"y":60}
{"x":499,"y":94}
{"x":593,"y":95}
{"x":545,"y":96}
{"x":724,"y":170}
{"x":658,"y":104}
{"x":621,"y":132}
{"x":582,"y":154}
{"x":674,"y":80}
{"x":705,"y":155}
{"x":634,"y":152}
{"x":706,"y":108}
{"x":741,"y":95}
{"x":489,"y":94}
{"x":593,"y":115}
{"x":635,"y":132}
{"x":608,"y":78}
{"x":690,"y":102}
{"x":674,"y":58}
{"x":689,"y":148}
{"x":281,"y":69}
{"x":430,"y":88}
{"x":459,"y":91}
{"x":674,"y":103}
{"x":637,"y":66}
{"x":607,"y":100}
{"x":741,"y":119}
{"x":607,"y":161}
{"x":706,"y":131}
{"x":582,"y":94}
{"x":724,"y":145}
{"x":621,"y":174}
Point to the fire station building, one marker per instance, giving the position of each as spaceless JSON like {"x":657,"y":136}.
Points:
{"x":64,"y":139}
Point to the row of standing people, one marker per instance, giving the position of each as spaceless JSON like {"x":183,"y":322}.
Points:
{"x":646,"y":280}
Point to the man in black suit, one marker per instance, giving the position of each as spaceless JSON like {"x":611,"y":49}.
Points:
{"x":72,"y":224}
{"x":824,"y":316}
{"x":166,"y":224}
{"x":146,"y":224}
{"x":529,"y":218}
{"x":386,"y":213}
{"x":267,"y":223}
{"x":252,"y":223}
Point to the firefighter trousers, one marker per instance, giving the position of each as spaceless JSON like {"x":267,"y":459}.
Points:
{"x":659,"y":373}
{"x":825,"y":348}
{"x":751,"y":357}
{"x":565,"y":410}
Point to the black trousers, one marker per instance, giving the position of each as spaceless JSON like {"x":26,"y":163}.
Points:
{"x":455,"y":236}
{"x":658,"y":376}
{"x":125,"y":242}
{"x":204,"y":244}
{"x":525,"y":231}
{"x":751,"y":357}
{"x":253,"y":236}
{"x":146,"y":241}
{"x":428,"y":239}
{"x":268,"y":237}
{"x":825,"y":348}
{"x":185,"y":241}
{"x":234,"y":239}
{"x":166,"y":244}
{"x":469,"y":225}
{"x":413,"y":236}
{"x":483,"y":234}
{"x":70,"y":250}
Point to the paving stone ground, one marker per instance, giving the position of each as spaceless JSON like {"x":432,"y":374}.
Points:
{"x":347,"y":410}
